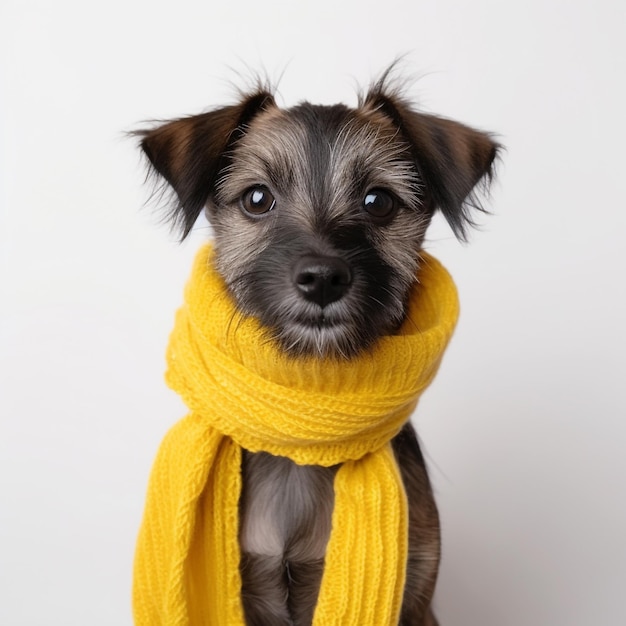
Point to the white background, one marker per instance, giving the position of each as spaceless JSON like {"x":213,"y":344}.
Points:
{"x":525,"y":426}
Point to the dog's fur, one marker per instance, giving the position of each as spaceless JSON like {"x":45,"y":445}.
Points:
{"x":319,"y":213}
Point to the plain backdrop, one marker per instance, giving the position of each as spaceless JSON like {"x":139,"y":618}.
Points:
{"x":525,"y":426}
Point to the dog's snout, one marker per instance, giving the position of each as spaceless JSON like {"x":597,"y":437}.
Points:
{"x":322,"y":279}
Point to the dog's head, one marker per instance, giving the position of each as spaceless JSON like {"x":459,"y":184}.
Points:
{"x":319,"y":212}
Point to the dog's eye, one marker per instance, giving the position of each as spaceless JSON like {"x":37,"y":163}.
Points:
{"x":258,"y":200}
{"x":380,"y":205}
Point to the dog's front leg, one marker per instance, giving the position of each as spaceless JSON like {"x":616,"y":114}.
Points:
{"x":264,"y":590}
{"x":285,"y":520}
{"x":304,"y":585}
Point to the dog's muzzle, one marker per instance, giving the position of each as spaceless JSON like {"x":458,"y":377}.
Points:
{"x":322,"y":279}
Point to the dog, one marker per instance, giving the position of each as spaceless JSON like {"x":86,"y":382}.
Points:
{"x":319,"y":215}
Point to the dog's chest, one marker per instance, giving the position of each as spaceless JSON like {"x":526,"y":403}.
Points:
{"x":285,"y":509}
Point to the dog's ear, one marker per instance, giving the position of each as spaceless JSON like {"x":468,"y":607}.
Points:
{"x":452,"y":159}
{"x":190,"y":152}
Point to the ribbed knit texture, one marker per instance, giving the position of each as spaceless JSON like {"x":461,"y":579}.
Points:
{"x":243,"y":392}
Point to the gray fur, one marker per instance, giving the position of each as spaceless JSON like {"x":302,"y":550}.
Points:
{"x":285,"y":514}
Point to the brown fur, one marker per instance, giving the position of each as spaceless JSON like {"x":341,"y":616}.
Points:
{"x":327,"y":275}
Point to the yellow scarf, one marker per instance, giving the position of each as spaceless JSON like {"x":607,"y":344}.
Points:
{"x":243,"y":392}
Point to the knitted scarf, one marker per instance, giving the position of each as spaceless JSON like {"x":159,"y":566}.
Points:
{"x":243,"y":392}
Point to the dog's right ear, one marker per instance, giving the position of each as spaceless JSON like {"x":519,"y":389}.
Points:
{"x":190,"y":152}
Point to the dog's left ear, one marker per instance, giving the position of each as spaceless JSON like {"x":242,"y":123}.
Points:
{"x":451,"y":159}
{"x":191,"y":152}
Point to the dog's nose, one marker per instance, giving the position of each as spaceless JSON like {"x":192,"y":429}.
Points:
{"x":322,"y":279}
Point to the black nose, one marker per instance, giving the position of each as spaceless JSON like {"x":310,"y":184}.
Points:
{"x":322,"y":279}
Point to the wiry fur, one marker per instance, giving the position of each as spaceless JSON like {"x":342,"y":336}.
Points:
{"x":319,"y":163}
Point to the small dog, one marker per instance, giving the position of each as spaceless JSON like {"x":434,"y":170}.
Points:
{"x":319,"y":214}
